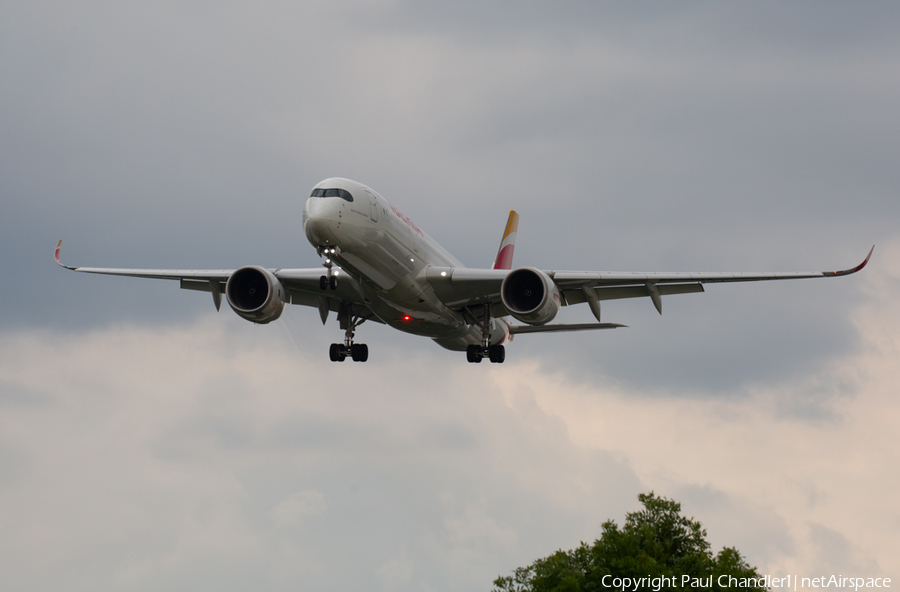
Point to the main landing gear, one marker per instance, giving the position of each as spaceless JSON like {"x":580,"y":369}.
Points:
{"x":495,"y":353}
{"x":358,"y":352}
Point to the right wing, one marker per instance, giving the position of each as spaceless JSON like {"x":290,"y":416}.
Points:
{"x":301,"y":285}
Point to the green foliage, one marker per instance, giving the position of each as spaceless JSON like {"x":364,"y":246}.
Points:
{"x":656,"y":542}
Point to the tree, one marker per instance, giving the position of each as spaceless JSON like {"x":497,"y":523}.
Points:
{"x":656,"y":549}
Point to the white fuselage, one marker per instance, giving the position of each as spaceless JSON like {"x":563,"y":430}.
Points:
{"x":387,"y":256}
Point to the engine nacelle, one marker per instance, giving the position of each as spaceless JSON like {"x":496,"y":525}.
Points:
{"x":255,"y":294}
{"x":530,"y":296}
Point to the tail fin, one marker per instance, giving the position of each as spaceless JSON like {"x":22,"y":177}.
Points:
{"x":508,"y":244}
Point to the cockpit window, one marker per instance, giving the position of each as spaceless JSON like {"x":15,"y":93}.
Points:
{"x":342,"y":193}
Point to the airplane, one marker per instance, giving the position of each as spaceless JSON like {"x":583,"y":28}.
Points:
{"x":380,"y":267}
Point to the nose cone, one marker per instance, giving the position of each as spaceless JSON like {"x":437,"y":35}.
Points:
{"x":320,"y":216}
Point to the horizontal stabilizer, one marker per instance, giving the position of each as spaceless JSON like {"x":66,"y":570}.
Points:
{"x":519,"y":329}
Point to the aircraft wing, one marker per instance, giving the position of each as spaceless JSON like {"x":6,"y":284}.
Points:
{"x":462,"y":288}
{"x":301,"y":285}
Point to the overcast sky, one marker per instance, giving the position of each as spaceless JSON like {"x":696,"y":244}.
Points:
{"x":150,"y":443}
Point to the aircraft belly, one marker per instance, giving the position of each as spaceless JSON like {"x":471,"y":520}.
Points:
{"x":427,"y":316}
{"x":429,"y":329}
{"x":430,"y":324}
{"x":457,"y":343}
{"x":422,"y":314}
{"x":499,"y":335}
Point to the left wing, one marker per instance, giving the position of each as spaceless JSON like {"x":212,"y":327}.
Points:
{"x":463,"y":288}
{"x":608,"y":286}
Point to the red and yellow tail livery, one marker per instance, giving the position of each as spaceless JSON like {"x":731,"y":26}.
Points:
{"x":508,"y":244}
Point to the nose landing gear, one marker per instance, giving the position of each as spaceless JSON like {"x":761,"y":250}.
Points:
{"x":329,"y":280}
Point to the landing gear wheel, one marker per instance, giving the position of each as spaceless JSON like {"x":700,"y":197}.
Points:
{"x":323,"y":283}
{"x":473,"y":354}
{"x":497,"y":353}
{"x":332,"y":283}
{"x":359,"y":352}
{"x":336,"y":352}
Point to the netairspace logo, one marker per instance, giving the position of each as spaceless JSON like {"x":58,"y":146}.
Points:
{"x":725,"y":581}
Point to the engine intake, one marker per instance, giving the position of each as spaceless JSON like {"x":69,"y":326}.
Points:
{"x":530,"y":296}
{"x":255,"y":294}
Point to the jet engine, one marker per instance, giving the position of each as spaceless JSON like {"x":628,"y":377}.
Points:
{"x":255,"y":294}
{"x":530,"y":296}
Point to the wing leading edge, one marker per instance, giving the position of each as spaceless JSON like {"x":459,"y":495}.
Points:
{"x":462,"y":288}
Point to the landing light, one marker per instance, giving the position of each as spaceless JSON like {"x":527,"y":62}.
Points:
{"x":444,"y":273}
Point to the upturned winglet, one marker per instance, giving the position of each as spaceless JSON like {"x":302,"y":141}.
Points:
{"x":56,"y":256}
{"x":853,"y":270}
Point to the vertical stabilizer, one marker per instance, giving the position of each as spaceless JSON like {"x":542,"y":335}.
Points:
{"x":508,"y":244}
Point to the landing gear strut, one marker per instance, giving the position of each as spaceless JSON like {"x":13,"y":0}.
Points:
{"x":495,"y":353}
{"x":358,"y":352}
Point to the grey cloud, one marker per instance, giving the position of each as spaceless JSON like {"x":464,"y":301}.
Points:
{"x":804,"y":24}
{"x":164,"y":457}
{"x":691,"y":136}
{"x":731,"y":521}
{"x":198,"y":462}
{"x":835,"y":554}
{"x":180,"y":137}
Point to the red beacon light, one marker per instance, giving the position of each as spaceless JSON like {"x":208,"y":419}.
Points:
{"x":407,"y":318}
